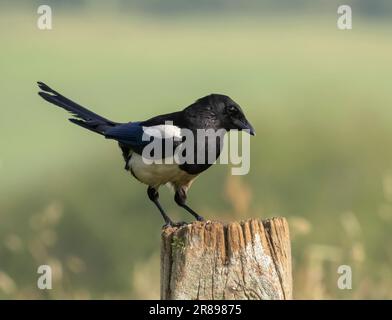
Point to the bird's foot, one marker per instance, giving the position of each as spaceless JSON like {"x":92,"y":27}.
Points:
{"x":174,"y":224}
{"x":200,"y":218}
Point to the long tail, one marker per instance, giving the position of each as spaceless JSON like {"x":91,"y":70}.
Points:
{"x":85,"y":118}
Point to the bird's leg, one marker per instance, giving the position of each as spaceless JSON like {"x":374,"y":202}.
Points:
{"x":180,"y":199}
{"x":153,"y":195}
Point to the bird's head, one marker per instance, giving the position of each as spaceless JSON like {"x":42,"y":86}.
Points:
{"x":221,"y":112}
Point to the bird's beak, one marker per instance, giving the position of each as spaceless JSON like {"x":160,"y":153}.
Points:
{"x":245,"y":126}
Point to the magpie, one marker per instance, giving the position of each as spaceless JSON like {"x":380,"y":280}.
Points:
{"x":214,"y":111}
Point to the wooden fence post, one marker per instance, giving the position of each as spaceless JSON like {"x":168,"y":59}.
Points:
{"x":240,"y":260}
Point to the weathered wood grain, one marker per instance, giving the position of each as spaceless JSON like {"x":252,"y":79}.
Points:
{"x":240,"y":260}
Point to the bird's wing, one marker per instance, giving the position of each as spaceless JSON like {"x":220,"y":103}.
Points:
{"x":130,"y":134}
{"x":136,"y":136}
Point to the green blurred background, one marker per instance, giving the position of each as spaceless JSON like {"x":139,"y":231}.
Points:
{"x":319,"y":98}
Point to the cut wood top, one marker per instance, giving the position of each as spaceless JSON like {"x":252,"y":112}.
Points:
{"x":239,"y":260}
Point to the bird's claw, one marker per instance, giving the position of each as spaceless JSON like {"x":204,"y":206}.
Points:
{"x":174,"y":224}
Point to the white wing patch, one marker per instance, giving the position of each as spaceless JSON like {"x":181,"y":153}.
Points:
{"x":165,"y":131}
{"x":157,"y":174}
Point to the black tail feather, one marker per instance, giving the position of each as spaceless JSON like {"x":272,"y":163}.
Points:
{"x":85,"y":118}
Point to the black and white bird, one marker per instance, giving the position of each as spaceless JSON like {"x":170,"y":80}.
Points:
{"x":214,"y":111}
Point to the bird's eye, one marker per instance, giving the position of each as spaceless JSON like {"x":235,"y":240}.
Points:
{"x":232,"y":110}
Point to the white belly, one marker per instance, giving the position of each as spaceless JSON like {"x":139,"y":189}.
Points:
{"x":156,"y":174}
